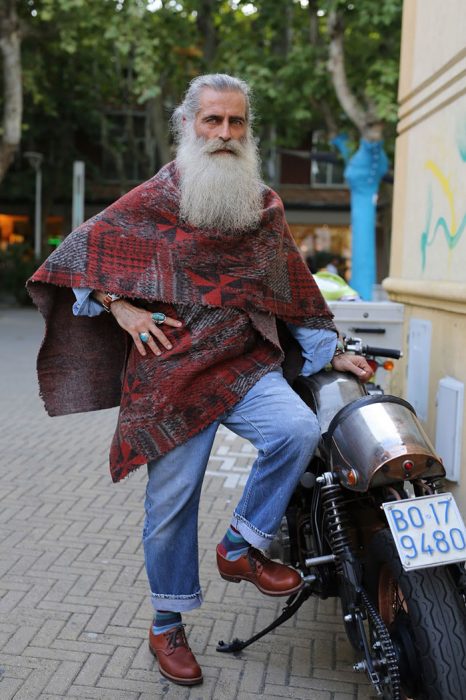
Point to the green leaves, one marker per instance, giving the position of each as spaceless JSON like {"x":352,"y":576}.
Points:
{"x":82,"y":59}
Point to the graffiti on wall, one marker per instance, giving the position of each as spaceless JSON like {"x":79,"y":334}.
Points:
{"x":451,"y":223}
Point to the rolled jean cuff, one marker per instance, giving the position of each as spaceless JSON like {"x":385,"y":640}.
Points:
{"x":251,"y":534}
{"x":176,"y":603}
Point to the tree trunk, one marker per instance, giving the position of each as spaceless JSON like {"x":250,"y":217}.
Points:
{"x":336,"y":66}
{"x":365,"y":168}
{"x":159,"y":125}
{"x":207,"y":30}
{"x":10,"y":47}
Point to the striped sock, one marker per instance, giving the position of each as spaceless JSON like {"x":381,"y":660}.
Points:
{"x":165,"y":620}
{"x":233,"y":545}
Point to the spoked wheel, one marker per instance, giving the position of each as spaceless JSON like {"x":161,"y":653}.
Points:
{"x":426,"y":618}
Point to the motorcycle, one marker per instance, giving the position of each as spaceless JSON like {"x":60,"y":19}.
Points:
{"x":370,"y":524}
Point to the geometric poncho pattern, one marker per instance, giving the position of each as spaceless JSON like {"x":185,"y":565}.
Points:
{"x":228,"y":289}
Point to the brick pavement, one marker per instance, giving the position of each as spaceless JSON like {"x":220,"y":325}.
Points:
{"x":74,"y":609}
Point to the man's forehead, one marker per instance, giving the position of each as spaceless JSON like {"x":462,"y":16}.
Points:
{"x":219,"y":101}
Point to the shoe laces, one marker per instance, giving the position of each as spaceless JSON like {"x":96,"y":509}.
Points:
{"x":176,"y":637}
{"x":255,"y":556}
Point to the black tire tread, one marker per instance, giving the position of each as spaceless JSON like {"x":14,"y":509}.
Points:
{"x":438,"y":616}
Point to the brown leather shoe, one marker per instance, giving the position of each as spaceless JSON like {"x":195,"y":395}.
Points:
{"x":268,"y":576}
{"x":176,"y":660}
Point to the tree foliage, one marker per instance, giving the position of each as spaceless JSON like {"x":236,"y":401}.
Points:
{"x":10,"y":51}
{"x":84,"y":61}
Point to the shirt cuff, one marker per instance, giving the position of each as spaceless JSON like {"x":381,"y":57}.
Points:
{"x":317,"y":347}
{"x":85,"y":305}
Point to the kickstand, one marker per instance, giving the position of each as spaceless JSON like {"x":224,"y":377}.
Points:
{"x":293,"y":604}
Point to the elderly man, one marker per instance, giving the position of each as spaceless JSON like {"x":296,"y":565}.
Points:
{"x":194,"y":267}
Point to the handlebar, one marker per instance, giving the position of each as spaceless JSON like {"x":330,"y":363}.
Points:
{"x":356,"y":345}
{"x":382,"y":352}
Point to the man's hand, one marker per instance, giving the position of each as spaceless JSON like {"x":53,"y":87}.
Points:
{"x":346,"y":362}
{"x":135,"y":320}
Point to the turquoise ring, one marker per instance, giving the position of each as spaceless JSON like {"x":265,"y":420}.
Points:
{"x":144,"y":337}
{"x":158,"y":317}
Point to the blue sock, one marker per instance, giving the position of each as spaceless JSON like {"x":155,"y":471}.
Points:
{"x":164,"y":620}
{"x":233,"y":545}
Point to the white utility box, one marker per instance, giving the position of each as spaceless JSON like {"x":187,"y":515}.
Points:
{"x":376,"y":323}
{"x":448,"y":432}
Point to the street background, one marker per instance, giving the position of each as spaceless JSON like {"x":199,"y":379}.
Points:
{"x":74,"y":605}
{"x":74,"y":610}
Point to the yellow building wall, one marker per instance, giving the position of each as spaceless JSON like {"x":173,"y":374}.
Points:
{"x":428,"y":255}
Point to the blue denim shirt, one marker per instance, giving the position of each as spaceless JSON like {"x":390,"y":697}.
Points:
{"x":317,"y":344}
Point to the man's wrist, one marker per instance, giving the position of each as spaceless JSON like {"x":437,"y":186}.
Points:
{"x":106,"y":299}
{"x":339,"y":349}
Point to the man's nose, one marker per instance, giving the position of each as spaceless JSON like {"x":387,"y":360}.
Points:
{"x":225,"y":131}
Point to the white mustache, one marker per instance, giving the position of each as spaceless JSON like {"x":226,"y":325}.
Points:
{"x":214,"y":145}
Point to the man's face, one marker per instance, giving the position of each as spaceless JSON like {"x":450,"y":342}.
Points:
{"x":220,"y":183}
{"x":222,"y":115}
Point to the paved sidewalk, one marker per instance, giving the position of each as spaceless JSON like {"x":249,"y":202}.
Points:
{"x":74,"y":607}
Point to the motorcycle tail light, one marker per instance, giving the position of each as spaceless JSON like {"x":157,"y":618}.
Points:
{"x":352,"y":477}
{"x":408,"y":465}
{"x":388,"y":365}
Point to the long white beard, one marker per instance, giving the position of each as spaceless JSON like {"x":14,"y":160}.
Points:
{"x":220,"y":190}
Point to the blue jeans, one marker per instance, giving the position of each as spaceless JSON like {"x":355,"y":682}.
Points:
{"x":284,"y":431}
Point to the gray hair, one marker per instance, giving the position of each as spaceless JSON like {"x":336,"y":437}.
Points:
{"x":221,"y":82}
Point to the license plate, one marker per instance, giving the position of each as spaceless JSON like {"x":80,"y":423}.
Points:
{"x":428,"y":531}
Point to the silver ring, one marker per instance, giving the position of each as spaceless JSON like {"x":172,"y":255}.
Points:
{"x":144,"y":337}
{"x":158,"y":317}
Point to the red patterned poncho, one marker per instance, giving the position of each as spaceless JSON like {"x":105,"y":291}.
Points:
{"x":227,"y":288}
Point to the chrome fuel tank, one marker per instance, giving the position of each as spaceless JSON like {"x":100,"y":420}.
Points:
{"x":378,"y":440}
{"x":327,"y":392}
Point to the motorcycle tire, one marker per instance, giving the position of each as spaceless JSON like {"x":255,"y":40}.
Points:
{"x":426,"y":617}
